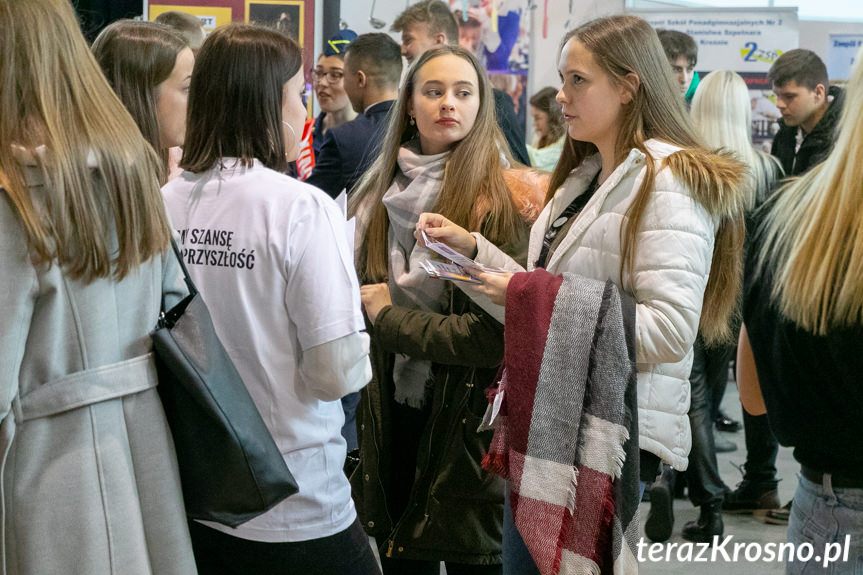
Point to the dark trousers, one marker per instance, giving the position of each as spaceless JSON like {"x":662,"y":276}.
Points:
{"x":761,"y":450}
{"x":516,"y":557}
{"x":408,"y":567}
{"x":345,"y":553}
{"x":709,"y":372}
{"x":349,"y":429}
{"x":718,"y":391}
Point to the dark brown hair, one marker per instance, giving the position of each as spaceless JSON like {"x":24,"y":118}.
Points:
{"x":804,"y":67}
{"x":677,"y":44}
{"x":546,"y":101}
{"x":136,"y":57}
{"x":377,"y":55}
{"x":432,"y":12}
{"x":186,"y":25}
{"x":235,"y":102}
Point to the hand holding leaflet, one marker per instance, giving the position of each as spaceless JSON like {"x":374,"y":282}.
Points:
{"x":456,"y":258}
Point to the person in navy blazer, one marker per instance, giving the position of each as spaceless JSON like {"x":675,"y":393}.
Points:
{"x":373,"y":68}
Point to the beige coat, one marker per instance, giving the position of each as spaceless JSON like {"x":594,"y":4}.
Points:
{"x":89,"y":476}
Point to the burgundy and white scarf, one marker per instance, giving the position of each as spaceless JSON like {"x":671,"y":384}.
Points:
{"x":566,"y":427}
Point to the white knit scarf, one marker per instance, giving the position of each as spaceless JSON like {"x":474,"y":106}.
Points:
{"x":414,"y":190}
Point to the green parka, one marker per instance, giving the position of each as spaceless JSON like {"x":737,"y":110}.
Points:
{"x":454,"y":509}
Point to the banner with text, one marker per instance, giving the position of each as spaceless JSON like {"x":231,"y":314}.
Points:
{"x":843,"y":51}
{"x":739,"y":40}
{"x":746,"y":41}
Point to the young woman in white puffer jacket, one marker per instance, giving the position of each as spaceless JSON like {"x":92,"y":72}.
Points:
{"x":637,"y":199}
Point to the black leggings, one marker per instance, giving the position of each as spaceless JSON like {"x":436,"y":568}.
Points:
{"x":345,"y":553}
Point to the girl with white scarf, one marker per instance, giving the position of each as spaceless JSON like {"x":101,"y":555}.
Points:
{"x":419,"y":488}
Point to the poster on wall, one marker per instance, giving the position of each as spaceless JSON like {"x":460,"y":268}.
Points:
{"x":747,"y":41}
{"x":293,"y":17}
{"x":497,"y":32}
{"x":286,"y":16}
{"x":211,"y":17}
{"x":843,"y":51}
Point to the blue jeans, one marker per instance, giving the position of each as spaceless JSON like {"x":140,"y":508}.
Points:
{"x":516,"y":557}
{"x":822,"y":514}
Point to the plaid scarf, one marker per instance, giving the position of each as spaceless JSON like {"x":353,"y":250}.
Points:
{"x":415,"y":189}
{"x":567,"y":422}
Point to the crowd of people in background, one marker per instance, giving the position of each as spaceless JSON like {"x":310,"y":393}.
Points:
{"x":386,"y":390}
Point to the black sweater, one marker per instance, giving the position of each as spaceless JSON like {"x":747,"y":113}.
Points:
{"x":816,"y":145}
{"x":812,"y":385}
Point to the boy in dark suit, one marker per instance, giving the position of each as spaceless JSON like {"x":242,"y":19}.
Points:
{"x":373,"y":67}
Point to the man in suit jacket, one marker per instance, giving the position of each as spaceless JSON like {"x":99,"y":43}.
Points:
{"x":373,"y":68}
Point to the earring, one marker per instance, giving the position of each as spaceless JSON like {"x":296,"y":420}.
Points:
{"x":413,"y":122}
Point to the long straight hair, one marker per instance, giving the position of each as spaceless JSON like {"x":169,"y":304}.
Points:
{"x":722,"y":114}
{"x":624,"y":44}
{"x":621,"y":45}
{"x":473,"y":192}
{"x":235,"y":98}
{"x":136,"y":57}
{"x":59,"y":109}
{"x":813,"y":233}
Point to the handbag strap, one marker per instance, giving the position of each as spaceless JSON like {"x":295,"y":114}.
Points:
{"x":189,"y":283}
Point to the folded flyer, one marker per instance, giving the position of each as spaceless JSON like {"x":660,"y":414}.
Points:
{"x":445,"y":271}
{"x":461,"y":268}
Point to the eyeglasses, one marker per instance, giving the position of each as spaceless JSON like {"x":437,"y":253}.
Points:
{"x":333,"y":76}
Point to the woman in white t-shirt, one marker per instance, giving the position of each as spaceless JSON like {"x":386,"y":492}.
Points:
{"x":272,"y":261}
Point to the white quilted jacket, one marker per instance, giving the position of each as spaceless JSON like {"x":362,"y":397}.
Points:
{"x":673,"y":257}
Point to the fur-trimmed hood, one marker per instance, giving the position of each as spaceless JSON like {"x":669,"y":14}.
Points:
{"x":715,"y":178}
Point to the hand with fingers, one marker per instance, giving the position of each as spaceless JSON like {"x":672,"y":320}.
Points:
{"x":494,"y":286}
{"x":374,"y":298}
{"x":440,"y":229}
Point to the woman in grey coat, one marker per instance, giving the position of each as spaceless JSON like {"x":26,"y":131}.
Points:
{"x":89,"y":476}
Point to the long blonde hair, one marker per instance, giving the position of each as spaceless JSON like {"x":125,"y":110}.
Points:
{"x":53,"y":94}
{"x":625,"y":44}
{"x":473,"y":192}
{"x":722,"y":114}
{"x":813,"y":233}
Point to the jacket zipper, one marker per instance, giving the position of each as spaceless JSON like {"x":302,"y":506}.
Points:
{"x":431,"y":438}
{"x":441,"y":410}
{"x":378,"y":454}
{"x":435,"y":417}
{"x":461,"y":404}
{"x":391,"y":541}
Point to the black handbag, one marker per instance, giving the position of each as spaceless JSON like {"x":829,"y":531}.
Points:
{"x":230,"y":468}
